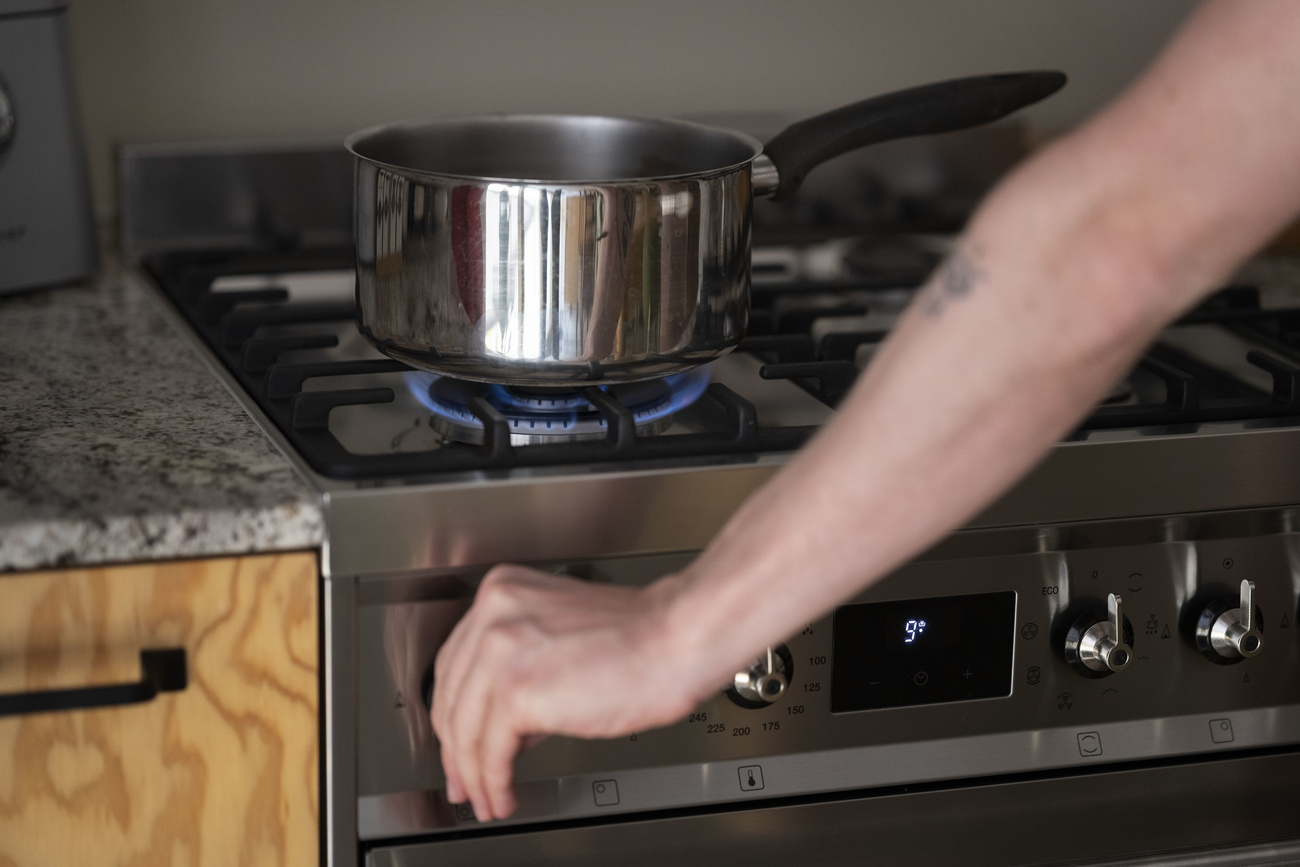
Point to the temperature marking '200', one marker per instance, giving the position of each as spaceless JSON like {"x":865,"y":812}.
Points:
{"x":913,"y":628}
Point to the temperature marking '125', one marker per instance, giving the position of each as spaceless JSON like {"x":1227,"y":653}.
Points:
{"x":913,"y":628}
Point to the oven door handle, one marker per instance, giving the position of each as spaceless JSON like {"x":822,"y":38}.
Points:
{"x":160,"y":671}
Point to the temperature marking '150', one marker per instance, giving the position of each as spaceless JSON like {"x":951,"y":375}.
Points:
{"x":913,"y":628}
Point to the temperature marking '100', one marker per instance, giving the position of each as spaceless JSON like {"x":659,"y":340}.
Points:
{"x":913,"y":628}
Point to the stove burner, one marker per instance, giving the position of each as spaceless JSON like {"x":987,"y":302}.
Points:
{"x":552,"y":415}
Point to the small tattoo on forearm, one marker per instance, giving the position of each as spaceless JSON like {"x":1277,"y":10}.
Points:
{"x":954,"y":280}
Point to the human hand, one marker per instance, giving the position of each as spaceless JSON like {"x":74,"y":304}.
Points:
{"x":539,"y":654}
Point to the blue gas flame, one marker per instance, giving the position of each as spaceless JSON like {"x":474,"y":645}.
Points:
{"x":560,"y":411}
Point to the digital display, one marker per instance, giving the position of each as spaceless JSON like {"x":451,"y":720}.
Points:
{"x":925,"y":626}
{"x":922,"y":651}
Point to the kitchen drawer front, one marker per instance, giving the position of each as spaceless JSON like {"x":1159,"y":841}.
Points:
{"x":225,"y":771}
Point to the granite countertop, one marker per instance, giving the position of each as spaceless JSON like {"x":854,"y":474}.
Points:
{"x":118,"y":444}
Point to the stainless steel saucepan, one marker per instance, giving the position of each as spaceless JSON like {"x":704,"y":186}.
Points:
{"x":545,"y":250}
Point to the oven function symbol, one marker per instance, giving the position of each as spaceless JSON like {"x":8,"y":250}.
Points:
{"x":1033,"y":675}
{"x":1064,"y":701}
{"x":1029,"y":631}
{"x":1153,"y":625}
{"x":1089,"y":744}
{"x":1221,"y":731}
{"x":465,"y":812}
{"x":1228,"y":628}
{"x":1100,"y":642}
{"x":751,"y":778}
{"x":605,"y":792}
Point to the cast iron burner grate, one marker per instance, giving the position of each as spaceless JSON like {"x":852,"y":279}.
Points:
{"x":252,"y":330}
{"x":1168,"y":392}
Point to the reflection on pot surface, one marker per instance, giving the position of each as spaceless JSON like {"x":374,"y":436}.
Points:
{"x":565,"y":283}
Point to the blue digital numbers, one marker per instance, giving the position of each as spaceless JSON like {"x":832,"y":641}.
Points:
{"x":913,"y":628}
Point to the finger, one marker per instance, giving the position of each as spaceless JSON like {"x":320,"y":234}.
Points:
{"x":455,"y":791}
{"x":467,"y":720}
{"x":457,"y":702}
{"x":453,"y":664}
{"x":449,"y":675}
{"x":500,"y":744}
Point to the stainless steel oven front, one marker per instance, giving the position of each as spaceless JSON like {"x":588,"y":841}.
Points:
{"x":945,"y":715}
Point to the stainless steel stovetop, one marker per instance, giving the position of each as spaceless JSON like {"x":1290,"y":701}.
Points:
{"x":991,"y":746}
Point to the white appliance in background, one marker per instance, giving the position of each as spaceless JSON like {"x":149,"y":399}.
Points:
{"x":47,"y":232}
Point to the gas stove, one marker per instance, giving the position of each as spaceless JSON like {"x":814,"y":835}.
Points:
{"x":287,"y":336}
{"x":1101,"y":665}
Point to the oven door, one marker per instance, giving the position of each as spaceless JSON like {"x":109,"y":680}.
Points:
{"x":1221,"y":813}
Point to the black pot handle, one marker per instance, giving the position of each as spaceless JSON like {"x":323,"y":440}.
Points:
{"x":160,"y":671}
{"x":932,"y":108}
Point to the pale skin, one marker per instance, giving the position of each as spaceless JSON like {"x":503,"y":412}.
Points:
{"x":1062,"y":278}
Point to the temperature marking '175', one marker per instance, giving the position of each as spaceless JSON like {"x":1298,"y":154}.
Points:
{"x":913,"y":628}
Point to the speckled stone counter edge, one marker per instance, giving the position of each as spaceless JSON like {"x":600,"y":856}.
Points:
{"x":117,"y":444}
{"x":68,"y":543}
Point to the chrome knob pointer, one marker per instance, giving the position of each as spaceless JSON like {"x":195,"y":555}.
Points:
{"x":1100,"y":643}
{"x":1228,"y":630}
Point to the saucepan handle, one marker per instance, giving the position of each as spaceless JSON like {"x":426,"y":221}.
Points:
{"x":932,"y":108}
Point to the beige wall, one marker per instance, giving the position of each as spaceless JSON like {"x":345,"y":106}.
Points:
{"x":154,"y":70}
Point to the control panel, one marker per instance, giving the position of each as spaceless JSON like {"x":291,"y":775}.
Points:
{"x":951,"y":668}
{"x":922,"y":651}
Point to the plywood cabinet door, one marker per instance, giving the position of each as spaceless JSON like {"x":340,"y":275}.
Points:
{"x":222,"y":772}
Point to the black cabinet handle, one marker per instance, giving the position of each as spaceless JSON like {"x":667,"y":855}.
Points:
{"x":160,"y":671}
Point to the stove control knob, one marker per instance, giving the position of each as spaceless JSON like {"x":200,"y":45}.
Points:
{"x":764,"y":681}
{"x":1100,"y":642}
{"x":1228,"y":629}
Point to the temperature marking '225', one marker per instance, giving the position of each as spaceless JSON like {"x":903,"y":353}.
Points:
{"x":913,"y":628}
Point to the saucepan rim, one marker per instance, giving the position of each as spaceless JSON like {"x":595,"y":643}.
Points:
{"x":354,"y":143}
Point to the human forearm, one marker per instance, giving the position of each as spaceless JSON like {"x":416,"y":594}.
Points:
{"x":932,"y":434}
{"x":1063,"y":277}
